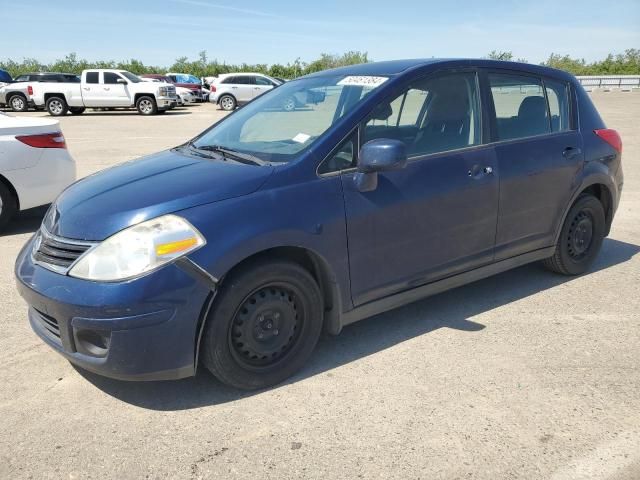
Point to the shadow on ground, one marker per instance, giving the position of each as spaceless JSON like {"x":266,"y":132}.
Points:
{"x":27,"y":221}
{"x":451,"y":309}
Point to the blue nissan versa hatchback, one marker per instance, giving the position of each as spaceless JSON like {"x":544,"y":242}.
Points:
{"x":239,"y":247}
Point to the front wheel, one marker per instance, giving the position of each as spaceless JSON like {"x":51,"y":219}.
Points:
{"x":147,"y":105}
{"x":581,"y":237}
{"x":228,"y":103}
{"x":18,"y":103}
{"x":57,"y":106}
{"x":263,"y":326}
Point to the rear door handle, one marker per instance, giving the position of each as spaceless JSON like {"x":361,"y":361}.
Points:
{"x":571,"y":152}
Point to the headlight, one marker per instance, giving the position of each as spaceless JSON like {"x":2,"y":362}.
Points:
{"x":139,"y":249}
{"x":163,"y":91}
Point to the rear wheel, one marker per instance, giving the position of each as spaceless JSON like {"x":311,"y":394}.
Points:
{"x":57,"y":106}
{"x":76,"y":110}
{"x":581,"y":237}
{"x":147,"y":105}
{"x":8,"y":205}
{"x":18,"y":103}
{"x":227,"y":102}
{"x":264,"y":325}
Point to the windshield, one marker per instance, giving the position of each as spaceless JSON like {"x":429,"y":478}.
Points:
{"x":279,"y":125}
{"x":131,"y":77}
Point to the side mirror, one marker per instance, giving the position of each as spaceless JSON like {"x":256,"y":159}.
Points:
{"x":122,"y":81}
{"x":380,"y":155}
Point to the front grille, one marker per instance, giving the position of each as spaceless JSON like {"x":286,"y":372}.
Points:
{"x":56,"y":253}
{"x":47,"y":322}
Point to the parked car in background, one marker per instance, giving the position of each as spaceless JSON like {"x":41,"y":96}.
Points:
{"x":51,"y":77}
{"x":239,"y":247}
{"x":17,"y":95}
{"x":232,"y":89}
{"x":184,"y":95}
{"x":188,"y":81}
{"x":105,"y":88}
{"x":35,"y":165}
{"x":5,"y":78}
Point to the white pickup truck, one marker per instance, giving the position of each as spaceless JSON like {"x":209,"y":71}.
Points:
{"x":103,"y":88}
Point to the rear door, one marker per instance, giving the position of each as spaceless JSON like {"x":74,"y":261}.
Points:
{"x":437,"y":216}
{"x":539,"y":158}
{"x":242,"y":88}
{"x":91,"y":89}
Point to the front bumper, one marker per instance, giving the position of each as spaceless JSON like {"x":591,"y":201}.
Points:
{"x":141,"y":329}
{"x":165,"y":103}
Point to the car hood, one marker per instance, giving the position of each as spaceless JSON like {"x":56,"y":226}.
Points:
{"x":109,"y":201}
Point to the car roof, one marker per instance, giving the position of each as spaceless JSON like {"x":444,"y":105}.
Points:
{"x":397,"y":67}
{"x":47,"y":73}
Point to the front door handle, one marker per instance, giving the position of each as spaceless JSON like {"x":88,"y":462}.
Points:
{"x":571,"y":152}
{"x":477,"y":171}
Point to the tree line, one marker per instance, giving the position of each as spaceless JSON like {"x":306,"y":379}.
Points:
{"x":627,"y":63}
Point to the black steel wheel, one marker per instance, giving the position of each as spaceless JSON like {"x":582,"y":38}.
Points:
{"x":581,"y":237}
{"x":265,"y":322}
{"x":266,"y":326}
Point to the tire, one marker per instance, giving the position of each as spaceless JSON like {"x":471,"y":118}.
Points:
{"x":227,"y":103}
{"x":289,"y":105}
{"x":580,"y":239}
{"x":57,"y":106}
{"x":8,"y":205}
{"x":263,"y":326}
{"x":146,"y":105}
{"x":18,"y":103}
{"x":76,"y":110}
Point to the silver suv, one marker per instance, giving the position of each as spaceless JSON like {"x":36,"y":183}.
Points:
{"x":233,"y":89}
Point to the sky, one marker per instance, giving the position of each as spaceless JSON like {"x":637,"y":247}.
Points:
{"x":253,"y":31}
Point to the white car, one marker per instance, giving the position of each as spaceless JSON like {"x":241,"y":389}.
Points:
{"x":35,"y":165}
{"x":186,"y":95}
{"x":232,"y":89}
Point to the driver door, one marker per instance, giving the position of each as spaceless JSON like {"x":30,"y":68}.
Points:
{"x":437,"y":216}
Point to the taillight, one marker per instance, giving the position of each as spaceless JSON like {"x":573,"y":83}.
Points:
{"x":30,"y":90}
{"x":212,"y":88}
{"x":611,"y":137}
{"x":45,"y":140}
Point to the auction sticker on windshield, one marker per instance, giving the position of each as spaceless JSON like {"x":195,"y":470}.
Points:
{"x":363,"y":81}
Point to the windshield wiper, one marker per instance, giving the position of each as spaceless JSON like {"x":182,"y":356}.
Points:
{"x":229,"y":152}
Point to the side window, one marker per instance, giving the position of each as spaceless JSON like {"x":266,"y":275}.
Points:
{"x":229,"y":80}
{"x":433,"y":115}
{"x":244,"y":80}
{"x":22,"y":78}
{"x":263,"y":81}
{"x":111,"y":78}
{"x":92,"y":77}
{"x":521,"y":109}
{"x":558,"y":97}
{"x":341,"y":159}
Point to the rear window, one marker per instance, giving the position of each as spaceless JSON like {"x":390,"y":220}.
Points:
{"x":520,"y":106}
{"x":92,"y":77}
